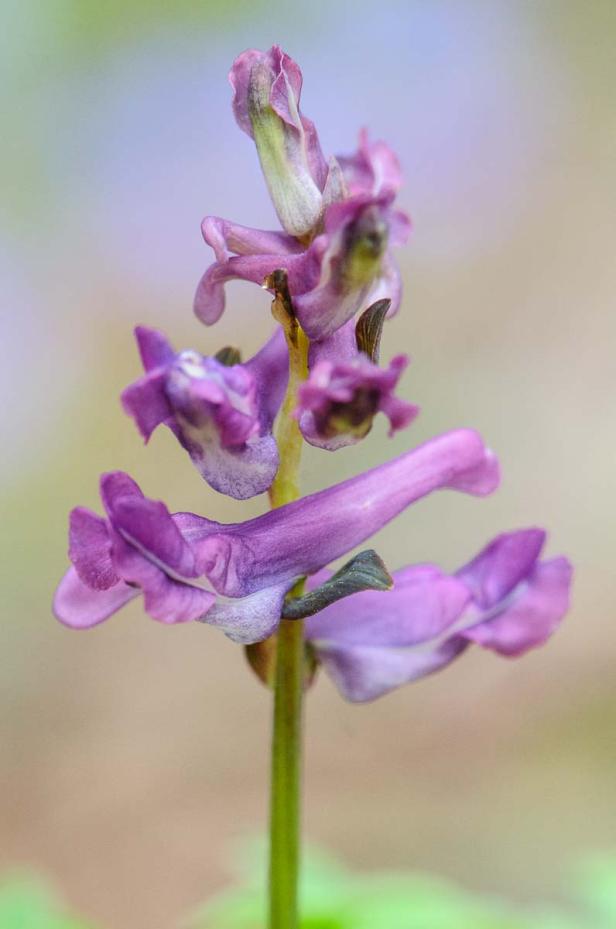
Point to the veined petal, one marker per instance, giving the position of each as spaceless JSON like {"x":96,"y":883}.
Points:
{"x":266,"y":96}
{"x":148,"y":528}
{"x":90,"y":549}
{"x":79,"y":606}
{"x":302,"y":537}
{"x":249,"y":619}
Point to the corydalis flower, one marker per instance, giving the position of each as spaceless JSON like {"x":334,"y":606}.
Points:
{"x":266,"y":95}
{"x":236,"y":576}
{"x":372,"y":169}
{"x":344,"y":392}
{"x":506,"y":600}
{"x":346,"y":267}
{"x":222,"y":414}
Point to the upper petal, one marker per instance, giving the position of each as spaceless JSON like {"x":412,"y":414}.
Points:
{"x":90,"y":549}
{"x":502,"y":564}
{"x":532,"y":614}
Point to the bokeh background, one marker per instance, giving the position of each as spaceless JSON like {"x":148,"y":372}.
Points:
{"x":134,"y":755}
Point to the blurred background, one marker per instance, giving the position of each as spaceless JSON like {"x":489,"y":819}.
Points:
{"x":135,"y":755}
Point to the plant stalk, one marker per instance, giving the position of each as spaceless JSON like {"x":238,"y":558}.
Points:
{"x":284,"y":862}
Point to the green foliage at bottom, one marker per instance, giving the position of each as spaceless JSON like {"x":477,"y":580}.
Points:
{"x":26,"y":903}
{"x":335,"y":898}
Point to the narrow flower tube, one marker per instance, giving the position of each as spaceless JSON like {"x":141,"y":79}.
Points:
{"x":304,"y":536}
{"x":221,"y":414}
{"x":236,"y":576}
{"x":507,"y":600}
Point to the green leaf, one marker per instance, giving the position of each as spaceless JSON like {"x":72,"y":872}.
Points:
{"x":25,"y":903}
{"x":229,"y":356}
{"x":365,"y":571}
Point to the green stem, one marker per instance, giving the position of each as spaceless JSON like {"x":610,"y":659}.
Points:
{"x":290,"y":663}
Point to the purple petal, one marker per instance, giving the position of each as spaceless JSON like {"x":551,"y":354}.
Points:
{"x":79,"y":606}
{"x":154,"y":348}
{"x":148,"y":527}
{"x":249,"y":619}
{"x":167,"y":598}
{"x":302,"y":537}
{"x":532,"y":615}
{"x":241,"y":472}
{"x":115,"y":486}
{"x":501,"y":565}
{"x":266,"y":97}
{"x":209,"y":303}
{"x":227,"y":239}
{"x":352,"y":250}
{"x":90,"y":549}
{"x":146,"y":402}
{"x":363,"y":673}
{"x":338,"y":402}
{"x":373,"y":168}
{"x":270,"y":370}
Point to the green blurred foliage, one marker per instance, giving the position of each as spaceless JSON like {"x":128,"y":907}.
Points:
{"x":25,"y":903}
{"x":335,"y":898}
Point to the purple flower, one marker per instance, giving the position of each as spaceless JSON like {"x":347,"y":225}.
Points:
{"x":221,"y":414}
{"x":346,"y":267}
{"x":266,"y":94}
{"x":506,"y":600}
{"x":373,"y":169}
{"x":236,"y":576}
{"x":345,"y":390}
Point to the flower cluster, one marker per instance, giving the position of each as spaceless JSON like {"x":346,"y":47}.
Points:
{"x":334,"y":256}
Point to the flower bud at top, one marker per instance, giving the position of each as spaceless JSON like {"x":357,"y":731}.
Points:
{"x":266,"y":95}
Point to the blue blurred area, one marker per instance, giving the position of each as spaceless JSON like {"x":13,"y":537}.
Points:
{"x":134,"y":753}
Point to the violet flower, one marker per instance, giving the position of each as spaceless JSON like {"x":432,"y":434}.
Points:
{"x":506,"y":600}
{"x":346,"y":267}
{"x":373,"y":169}
{"x":266,"y":96}
{"x":221,"y":414}
{"x":235,"y":576}
{"x":345,"y":390}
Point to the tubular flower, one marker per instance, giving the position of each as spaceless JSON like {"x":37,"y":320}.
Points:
{"x":266,"y":95}
{"x":346,"y":267}
{"x":221,"y":414}
{"x":236,"y":575}
{"x":506,"y":600}
{"x":344,"y":392}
